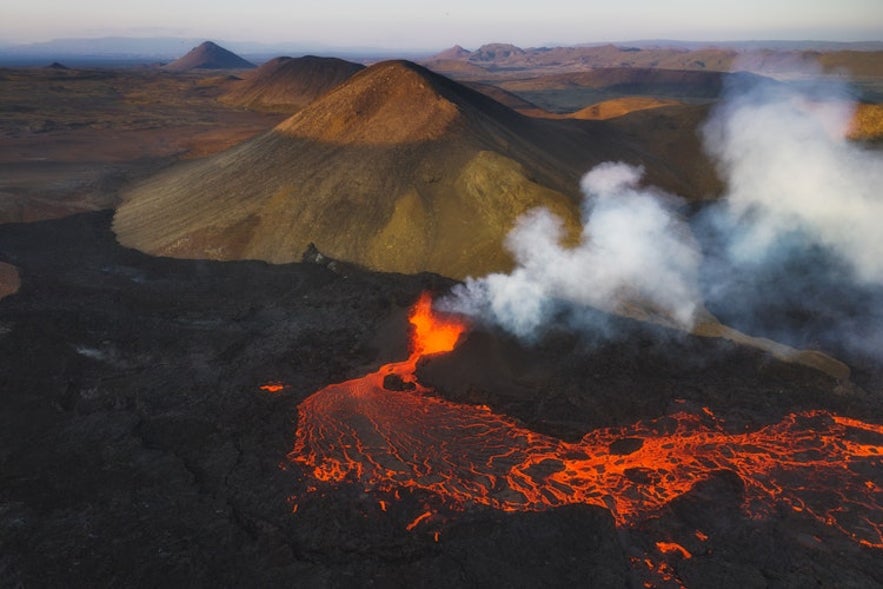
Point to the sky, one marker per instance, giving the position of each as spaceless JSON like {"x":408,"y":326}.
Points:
{"x":410,"y":24}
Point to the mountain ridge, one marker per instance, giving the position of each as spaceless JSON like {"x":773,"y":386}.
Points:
{"x":287,"y":84}
{"x":398,"y":169}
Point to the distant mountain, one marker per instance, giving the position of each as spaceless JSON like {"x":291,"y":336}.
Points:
{"x":861,"y":59}
{"x":771,"y":44}
{"x":496,"y":52}
{"x":495,"y":57}
{"x":209,"y":56}
{"x":148,"y":47}
{"x":149,"y":50}
{"x":141,"y":50}
{"x":290,"y":83}
{"x":455,"y":52}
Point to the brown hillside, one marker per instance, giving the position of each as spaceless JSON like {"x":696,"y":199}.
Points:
{"x":857,"y":63}
{"x":500,"y":57}
{"x":289,"y":84}
{"x":208,"y":56}
{"x":670,"y":135}
{"x":867,"y":123}
{"x":627,"y":80}
{"x":608,"y":109}
{"x":460,"y":69}
{"x":618,"y":107}
{"x":398,"y":169}
{"x":570,"y":92}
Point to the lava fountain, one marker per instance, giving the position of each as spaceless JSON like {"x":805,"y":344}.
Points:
{"x":813,"y":462}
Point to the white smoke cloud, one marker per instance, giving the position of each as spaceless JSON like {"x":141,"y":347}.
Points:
{"x":796,"y":246}
{"x":794,"y":250}
{"x":632,"y":249}
{"x":789,"y":168}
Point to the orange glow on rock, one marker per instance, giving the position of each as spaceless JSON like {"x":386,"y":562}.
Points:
{"x":469,"y":455}
{"x":272,"y":387}
{"x":673,"y":548}
{"x":422,"y":517}
{"x":817,"y":464}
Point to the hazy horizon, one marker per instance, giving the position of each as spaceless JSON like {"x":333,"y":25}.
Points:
{"x":408,"y":26}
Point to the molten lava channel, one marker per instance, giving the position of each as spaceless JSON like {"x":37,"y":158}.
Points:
{"x":357,"y":430}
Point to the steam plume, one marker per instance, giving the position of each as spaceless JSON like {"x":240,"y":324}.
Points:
{"x":795,"y":250}
{"x":632,"y":247}
{"x":790,"y":169}
{"x":797,"y":233}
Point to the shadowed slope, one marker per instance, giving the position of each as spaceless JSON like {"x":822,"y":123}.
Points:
{"x":629,"y":80}
{"x":398,"y":169}
{"x":289,"y":84}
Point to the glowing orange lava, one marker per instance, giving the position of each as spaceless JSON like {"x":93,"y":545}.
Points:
{"x":813,"y":462}
{"x":416,"y":522}
{"x":673,"y":548}
{"x":432,"y":334}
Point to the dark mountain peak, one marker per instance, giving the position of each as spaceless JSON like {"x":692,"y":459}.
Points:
{"x":209,"y":46}
{"x":393,"y":102}
{"x":210,"y":56}
{"x":456,"y":52}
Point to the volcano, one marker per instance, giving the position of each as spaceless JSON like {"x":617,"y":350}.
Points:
{"x":193,"y":422}
{"x":208,"y":56}
{"x":398,"y":169}
{"x":393,"y":438}
{"x":287,"y":84}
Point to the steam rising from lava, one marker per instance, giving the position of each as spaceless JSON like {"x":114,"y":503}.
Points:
{"x":633,"y":247}
{"x":816,"y":463}
{"x":790,"y":169}
{"x":798,"y":228}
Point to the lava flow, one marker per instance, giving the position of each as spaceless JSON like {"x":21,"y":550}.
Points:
{"x":814,"y":462}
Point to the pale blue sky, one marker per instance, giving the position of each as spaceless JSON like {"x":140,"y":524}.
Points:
{"x":411,"y":24}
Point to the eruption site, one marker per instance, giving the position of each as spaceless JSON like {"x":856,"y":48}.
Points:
{"x":653,"y":356}
{"x":815,"y":463}
{"x":795,"y":233}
